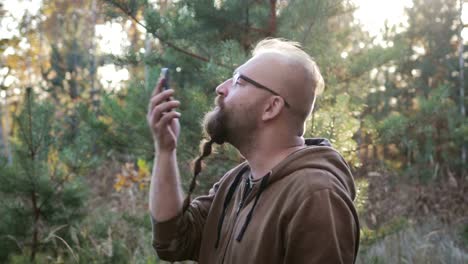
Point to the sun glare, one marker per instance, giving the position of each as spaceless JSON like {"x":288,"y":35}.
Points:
{"x":373,"y":14}
{"x":112,"y":78}
{"x":111,"y":38}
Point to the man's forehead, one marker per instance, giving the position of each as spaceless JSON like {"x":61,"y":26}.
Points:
{"x":259,"y":62}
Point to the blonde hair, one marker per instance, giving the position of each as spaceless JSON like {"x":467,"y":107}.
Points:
{"x":294,"y":52}
{"x":303,"y":88}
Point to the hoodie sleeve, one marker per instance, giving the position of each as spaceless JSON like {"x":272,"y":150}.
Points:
{"x":322,"y":230}
{"x":179,"y":238}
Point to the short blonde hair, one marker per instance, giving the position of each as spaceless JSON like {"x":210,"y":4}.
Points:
{"x":303,"y":91}
{"x":293,"y":51}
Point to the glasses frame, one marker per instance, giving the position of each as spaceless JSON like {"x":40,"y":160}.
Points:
{"x":258,"y":85}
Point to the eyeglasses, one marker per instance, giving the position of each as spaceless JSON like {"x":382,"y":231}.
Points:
{"x":238,"y":76}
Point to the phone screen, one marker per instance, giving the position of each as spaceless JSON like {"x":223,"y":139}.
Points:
{"x":165,"y":75}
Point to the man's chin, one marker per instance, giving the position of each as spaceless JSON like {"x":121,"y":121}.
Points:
{"x":214,"y":125}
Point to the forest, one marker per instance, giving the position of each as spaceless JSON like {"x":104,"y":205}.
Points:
{"x":76,"y":152}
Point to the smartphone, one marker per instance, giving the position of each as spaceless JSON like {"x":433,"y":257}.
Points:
{"x":165,"y":75}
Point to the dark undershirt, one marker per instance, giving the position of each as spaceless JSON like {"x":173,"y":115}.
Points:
{"x":249,"y":184}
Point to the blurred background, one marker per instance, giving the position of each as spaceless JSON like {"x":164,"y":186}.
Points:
{"x":76,"y":153}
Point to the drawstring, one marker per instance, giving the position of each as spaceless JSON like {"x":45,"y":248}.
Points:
{"x":263,"y":184}
{"x":228,"y":198}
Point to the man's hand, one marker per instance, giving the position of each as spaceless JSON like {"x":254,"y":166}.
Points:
{"x":162,"y":119}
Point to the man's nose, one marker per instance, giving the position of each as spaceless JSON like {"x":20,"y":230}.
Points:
{"x":223,"y":88}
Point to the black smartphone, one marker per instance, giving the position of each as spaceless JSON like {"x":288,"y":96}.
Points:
{"x":165,"y":75}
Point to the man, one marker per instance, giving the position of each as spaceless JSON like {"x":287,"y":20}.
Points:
{"x":291,"y":201}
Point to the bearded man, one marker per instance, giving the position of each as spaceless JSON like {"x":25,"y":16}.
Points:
{"x":291,"y":201}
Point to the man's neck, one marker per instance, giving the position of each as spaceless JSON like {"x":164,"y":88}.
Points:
{"x":264,"y":156}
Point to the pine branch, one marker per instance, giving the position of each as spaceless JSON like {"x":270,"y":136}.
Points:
{"x":55,"y":192}
{"x":128,"y":12}
{"x":351,"y":77}
{"x":58,"y":185}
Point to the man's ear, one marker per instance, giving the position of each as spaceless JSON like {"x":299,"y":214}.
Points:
{"x":273,"y":108}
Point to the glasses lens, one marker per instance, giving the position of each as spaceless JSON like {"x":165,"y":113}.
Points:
{"x":235,"y":78}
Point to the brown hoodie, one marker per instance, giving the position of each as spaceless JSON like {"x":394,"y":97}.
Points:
{"x":300,"y":212}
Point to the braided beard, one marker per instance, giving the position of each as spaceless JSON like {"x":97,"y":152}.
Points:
{"x":215,"y":127}
{"x":215,"y":123}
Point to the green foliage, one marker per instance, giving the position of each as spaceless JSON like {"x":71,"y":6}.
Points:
{"x":416,"y":107}
{"x":395,"y":127}
{"x":464,"y":235}
{"x":362,"y":195}
{"x":114,"y":237}
{"x":42,"y":196}
{"x":123,"y":124}
{"x":427,"y":135}
{"x":337,"y":123}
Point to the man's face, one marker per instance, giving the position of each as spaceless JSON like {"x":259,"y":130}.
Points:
{"x":231,"y":121}
{"x":239,"y":103}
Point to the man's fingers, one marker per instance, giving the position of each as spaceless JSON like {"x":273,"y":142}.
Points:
{"x":158,"y":88}
{"x":159,"y":98}
{"x":158,"y":111}
{"x":166,"y":119}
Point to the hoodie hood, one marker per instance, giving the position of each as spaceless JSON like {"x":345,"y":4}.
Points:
{"x":317,"y":154}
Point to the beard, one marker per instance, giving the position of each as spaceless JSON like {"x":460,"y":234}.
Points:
{"x":215,"y":123}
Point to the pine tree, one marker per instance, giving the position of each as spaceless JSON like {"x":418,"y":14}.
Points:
{"x":419,"y":113}
{"x":42,"y":197}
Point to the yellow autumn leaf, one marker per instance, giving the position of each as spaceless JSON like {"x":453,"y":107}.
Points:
{"x":131,"y":175}
{"x":118,"y":187}
{"x":121,"y":182}
{"x":105,"y":119}
{"x":52,"y":157}
{"x":143,"y":169}
{"x":133,"y":178}
{"x":142,"y":165}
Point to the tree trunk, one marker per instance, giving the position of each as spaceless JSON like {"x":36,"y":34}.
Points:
{"x":365,"y":152}
{"x":148,"y":39}
{"x":92,"y":70}
{"x":462,"y":86}
{"x":32,"y":148}
{"x":35,"y":239}
{"x":5,"y":131}
{"x":2,"y":133}
{"x":272,"y":22}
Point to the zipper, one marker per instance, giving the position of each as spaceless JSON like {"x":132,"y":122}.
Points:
{"x":239,"y":208}
{"x":245,"y":193}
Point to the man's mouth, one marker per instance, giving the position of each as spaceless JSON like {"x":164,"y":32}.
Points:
{"x":218,"y":102}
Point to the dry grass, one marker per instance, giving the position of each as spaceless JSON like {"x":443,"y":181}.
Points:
{"x":426,"y":244}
